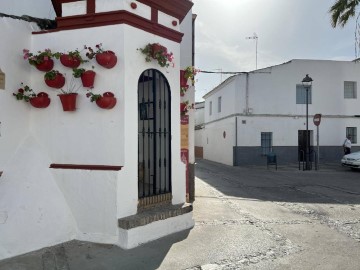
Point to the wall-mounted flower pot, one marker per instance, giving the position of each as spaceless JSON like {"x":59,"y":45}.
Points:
{"x":183,"y":80}
{"x":45,"y":65}
{"x":107,"y":59}
{"x":40,"y":102}
{"x":57,"y":82}
{"x":68,"y":101}
{"x":156,"y":48}
{"x":70,"y":61}
{"x":88,"y":78}
{"x":183,"y":108}
{"x":106,"y":102}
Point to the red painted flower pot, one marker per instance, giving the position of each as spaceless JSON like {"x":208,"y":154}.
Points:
{"x":57,"y":82}
{"x":183,"y":108}
{"x":183,"y":80}
{"x":70,"y":61}
{"x":106,"y":59}
{"x":68,"y":101}
{"x":40,"y":102}
{"x":88,"y":78}
{"x":45,"y":65}
{"x":156,"y":48}
{"x":106,"y":102}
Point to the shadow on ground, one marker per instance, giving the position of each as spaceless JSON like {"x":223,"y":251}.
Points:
{"x":75,"y":255}
{"x":330,"y":184}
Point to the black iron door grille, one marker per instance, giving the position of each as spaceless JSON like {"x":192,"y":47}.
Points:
{"x":154,"y":134}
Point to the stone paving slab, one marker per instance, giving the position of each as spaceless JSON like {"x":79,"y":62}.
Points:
{"x":320,"y":249}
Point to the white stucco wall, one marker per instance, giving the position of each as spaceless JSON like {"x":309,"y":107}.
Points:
{"x":186,"y":61}
{"x":216,"y":147}
{"x":271,"y":100}
{"x":199,"y":137}
{"x":14,"y":122}
{"x":84,"y":204}
{"x":33,"y":210}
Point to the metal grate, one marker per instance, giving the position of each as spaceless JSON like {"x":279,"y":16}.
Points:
{"x":154,"y":148}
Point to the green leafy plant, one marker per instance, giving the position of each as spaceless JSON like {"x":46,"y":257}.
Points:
{"x":76,"y":54}
{"x":190,"y":73}
{"x":50,"y":75}
{"x":35,"y":59}
{"x":91,"y":53}
{"x":77,"y":72}
{"x":159,"y":53}
{"x":185,"y":106}
{"x":183,"y":90}
{"x":25,"y":93}
{"x":94,"y":97}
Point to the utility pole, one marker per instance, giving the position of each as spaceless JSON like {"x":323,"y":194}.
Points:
{"x":255,"y":37}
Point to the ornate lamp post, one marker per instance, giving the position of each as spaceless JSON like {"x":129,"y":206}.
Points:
{"x":307,"y":82}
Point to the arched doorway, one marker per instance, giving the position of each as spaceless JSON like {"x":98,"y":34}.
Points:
{"x":154,"y":134}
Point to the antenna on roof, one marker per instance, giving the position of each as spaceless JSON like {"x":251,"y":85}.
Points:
{"x":255,"y":37}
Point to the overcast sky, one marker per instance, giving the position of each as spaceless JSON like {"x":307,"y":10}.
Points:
{"x":286,"y":29}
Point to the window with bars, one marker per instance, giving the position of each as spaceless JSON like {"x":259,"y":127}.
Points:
{"x":352,"y":132}
{"x":219,"y":104}
{"x":301,"y":94}
{"x":266,"y":143}
{"x":350,"y":89}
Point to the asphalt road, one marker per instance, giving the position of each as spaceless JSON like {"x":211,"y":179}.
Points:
{"x":245,"y":218}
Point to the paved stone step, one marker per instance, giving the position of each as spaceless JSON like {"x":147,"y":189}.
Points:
{"x":153,"y":214}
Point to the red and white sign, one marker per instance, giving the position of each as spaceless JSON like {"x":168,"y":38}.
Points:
{"x":317,"y":119}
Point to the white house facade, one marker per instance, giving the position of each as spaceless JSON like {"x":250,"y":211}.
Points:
{"x":254,"y":113}
{"x":77,"y":174}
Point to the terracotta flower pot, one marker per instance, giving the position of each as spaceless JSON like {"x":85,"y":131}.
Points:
{"x":106,"y":59}
{"x":183,"y":108}
{"x":183,"y":80}
{"x":45,"y":65}
{"x":106,"y":102}
{"x":157,"y":48}
{"x":68,"y":101}
{"x":40,"y":102}
{"x":88,"y":78}
{"x":57,"y":82}
{"x":70,"y":61}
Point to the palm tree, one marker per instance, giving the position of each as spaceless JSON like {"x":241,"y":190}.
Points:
{"x":341,"y":11}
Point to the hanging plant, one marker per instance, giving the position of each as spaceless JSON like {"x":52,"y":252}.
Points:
{"x":42,"y":61}
{"x":159,"y":53}
{"x":87,"y":76}
{"x":105,"y":101}
{"x":68,"y":97}
{"x":183,"y":90}
{"x":54,"y":79}
{"x":189,"y":73}
{"x":72,"y":59}
{"x":25,"y":93}
{"x":185,"y":107}
{"x":105,"y":58}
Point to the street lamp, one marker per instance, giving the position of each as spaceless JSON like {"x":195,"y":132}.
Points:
{"x":307,"y":82}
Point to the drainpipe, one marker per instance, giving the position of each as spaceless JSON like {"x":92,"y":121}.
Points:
{"x":247,"y":95}
{"x":236,"y":131}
